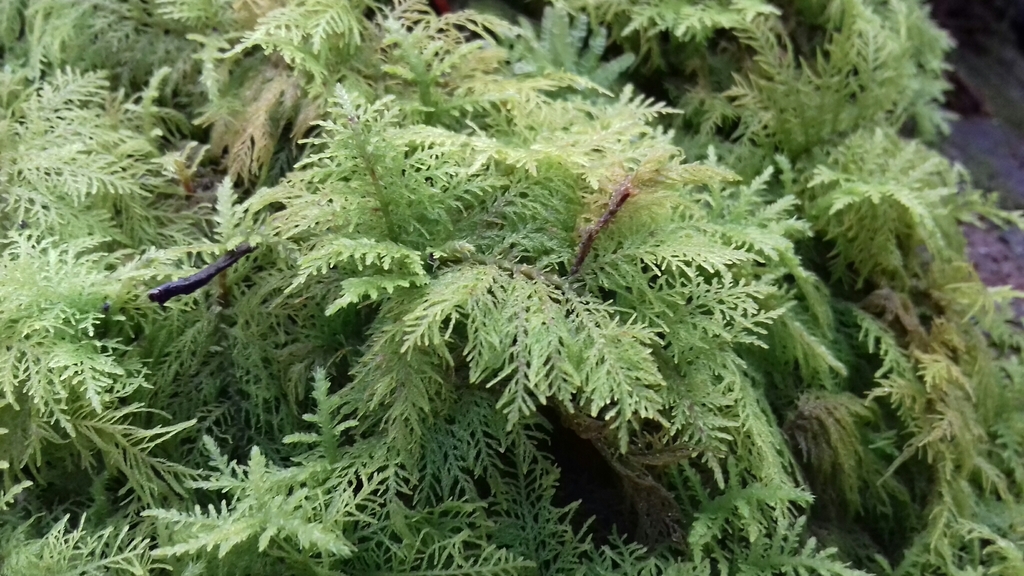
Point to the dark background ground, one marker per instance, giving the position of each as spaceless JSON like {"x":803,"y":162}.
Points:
{"x":988,"y":138}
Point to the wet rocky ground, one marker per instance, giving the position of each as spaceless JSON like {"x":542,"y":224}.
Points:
{"x":988,"y":138}
{"x":995,"y":156}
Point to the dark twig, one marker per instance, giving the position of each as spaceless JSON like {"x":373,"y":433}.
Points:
{"x":618,"y":199}
{"x":161,"y":294}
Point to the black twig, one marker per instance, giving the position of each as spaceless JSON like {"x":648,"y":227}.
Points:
{"x":618,"y":199}
{"x":161,"y":294}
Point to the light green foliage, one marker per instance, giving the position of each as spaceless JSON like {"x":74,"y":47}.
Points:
{"x":568,"y":45}
{"x":77,"y":551}
{"x":127,"y":39}
{"x":687,"y":20}
{"x":67,"y":389}
{"x":901,"y":187}
{"x":73,"y":155}
{"x":491,"y":273}
{"x":857,"y":63}
{"x":884,"y":57}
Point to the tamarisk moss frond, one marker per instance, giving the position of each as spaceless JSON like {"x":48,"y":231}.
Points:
{"x":902,"y":189}
{"x":279,"y":505}
{"x":64,"y":386}
{"x":128,"y":40}
{"x":343,"y":501}
{"x":865,"y":64}
{"x":74,"y":164}
{"x":643,"y":21}
{"x":77,"y":550}
{"x":377,"y":177}
{"x":885,"y":57}
{"x":560,"y":46}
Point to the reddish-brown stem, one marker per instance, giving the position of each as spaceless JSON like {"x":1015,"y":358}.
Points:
{"x":618,"y":199}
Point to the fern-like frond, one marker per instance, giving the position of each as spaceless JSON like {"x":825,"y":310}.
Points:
{"x":313,"y":507}
{"x":72,"y":171}
{"x":66,"y":549}
{"x":899,"y":187}
{"x":567,"y":44}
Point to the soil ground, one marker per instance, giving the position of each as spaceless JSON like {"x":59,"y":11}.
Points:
{"x":988,"y":138}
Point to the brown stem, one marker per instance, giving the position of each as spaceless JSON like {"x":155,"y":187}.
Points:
{"x":618,"y":199}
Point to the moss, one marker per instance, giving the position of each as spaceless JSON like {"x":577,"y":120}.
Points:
{"x":731,"y":313}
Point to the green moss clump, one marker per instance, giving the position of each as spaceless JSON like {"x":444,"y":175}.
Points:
{"x":698,"y":250}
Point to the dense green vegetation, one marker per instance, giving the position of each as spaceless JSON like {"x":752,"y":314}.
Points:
{"x":706,"y":239}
